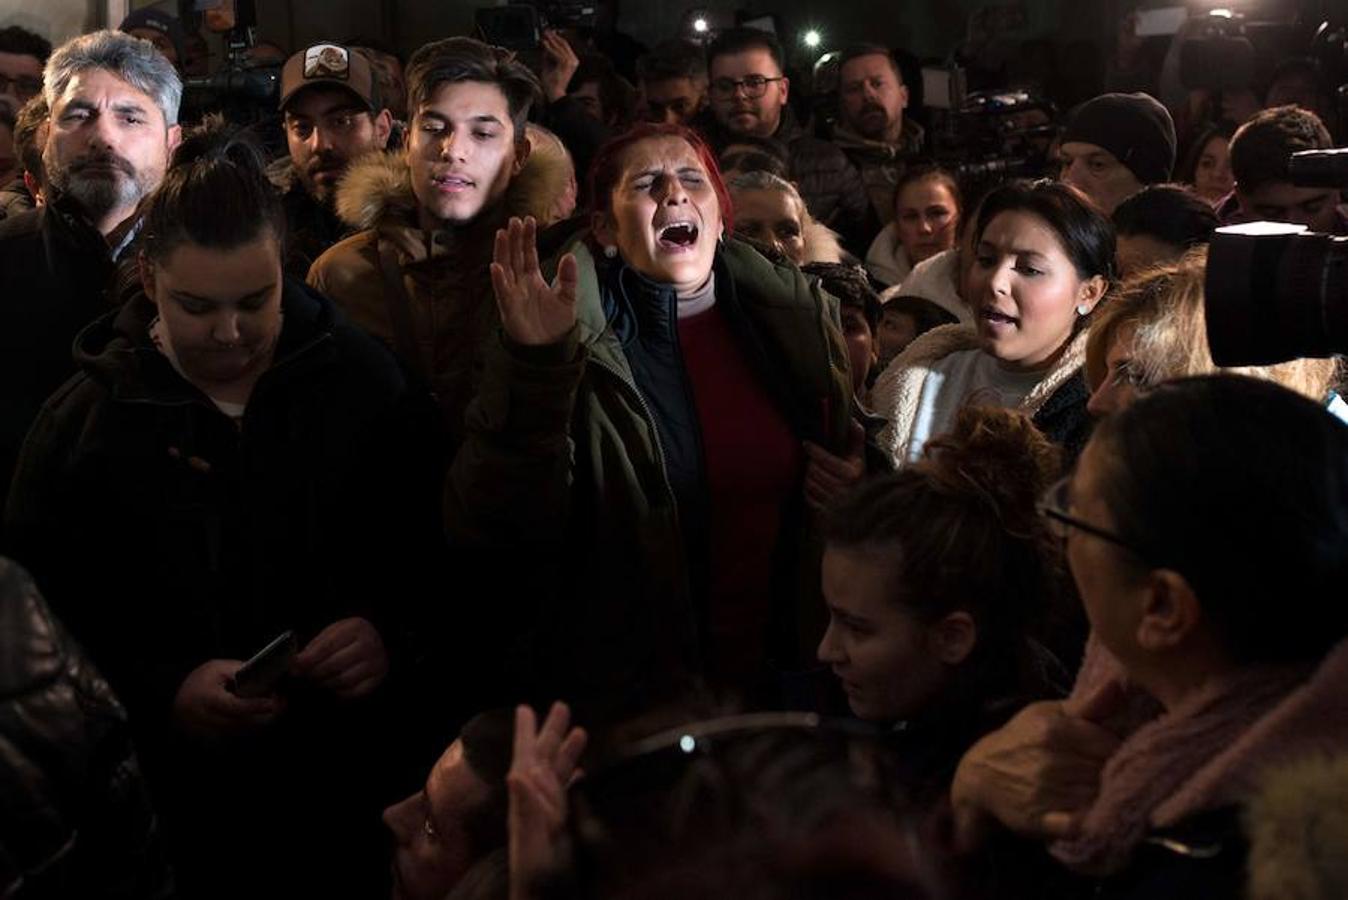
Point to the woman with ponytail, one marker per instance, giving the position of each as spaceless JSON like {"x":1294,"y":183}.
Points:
{"x":937,"y":577}
{"x":233,"y":463}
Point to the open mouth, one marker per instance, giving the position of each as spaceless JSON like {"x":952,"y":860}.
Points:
{"x":998,"y":319}
{"x":452,"y":183}
{"x":677,"y":236}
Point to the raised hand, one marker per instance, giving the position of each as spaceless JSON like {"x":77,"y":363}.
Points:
{"x":559,"y":65}
{"x":541,"y":769}
{"x":533,"y":313}
{"x":347,"y":658}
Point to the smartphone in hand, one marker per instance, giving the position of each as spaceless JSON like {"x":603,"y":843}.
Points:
{"x":260,"y":675}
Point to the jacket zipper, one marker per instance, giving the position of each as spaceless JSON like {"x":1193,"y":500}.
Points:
{"x":650,"y":423}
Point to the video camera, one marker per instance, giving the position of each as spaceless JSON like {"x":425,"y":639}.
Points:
{"x":1275,"y":291}
{"x":520,"y":25}
{"x":986,"y":137}
{"x":244,"y":92}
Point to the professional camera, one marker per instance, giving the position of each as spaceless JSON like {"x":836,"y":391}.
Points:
{"x":244,"y":92}
{"x":986,"y":137}
{"x":519,"y":26}
{"x":1277,"y":292}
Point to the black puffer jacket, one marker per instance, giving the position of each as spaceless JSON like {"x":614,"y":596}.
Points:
{"x":165,"y":537}
{"x":76,"y":819}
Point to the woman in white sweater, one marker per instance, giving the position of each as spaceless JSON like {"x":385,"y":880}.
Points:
{"x":1043,"y":261}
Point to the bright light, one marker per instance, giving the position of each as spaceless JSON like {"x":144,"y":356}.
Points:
{"x":1222,"y":13}
{"x":700,"y":26}
{"x":812,"y":39}
{"x":687,"y":743}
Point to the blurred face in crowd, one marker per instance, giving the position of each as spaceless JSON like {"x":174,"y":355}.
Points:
{"x":20,"y":79}
{"x":197,"y":55}
{"x":587,"y":96}
{"x":433,"y":849}
{"x":1295,"y":88}
{"x":748,"y":92}
{"x":673,"y":100}
{"x":326,"y":128}
{"x":107,"y":146}
{"x":1212,"y":175}
{"x":463,"y":151}
{"x":220,"y":308}
{"x":1122,"y":382}
{"x":891,"y":663}
{"x":9,"y":160}
{"x":1098,"y":174}
{"x":161,"y":42}
{"x":928,"y":218}
{"x":860,"y":345}
{"x":873,"y":97}
{"x":897,"y":330}
{"x":1136,"y":252}
{"x":1282,"y":201}
{"x":664,"y":216}
{"x":1024,"y":291}
{"x":771,"y":217}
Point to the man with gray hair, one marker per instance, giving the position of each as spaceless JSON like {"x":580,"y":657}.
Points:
{"x":113,"y":102}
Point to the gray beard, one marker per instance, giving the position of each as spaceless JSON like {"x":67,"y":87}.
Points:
{"x":98,"y":196}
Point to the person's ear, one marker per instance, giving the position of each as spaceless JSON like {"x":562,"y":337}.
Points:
{"x":175,"y":137}
{"x":1170,"y":612}
{"x":145,"y":269}
{"x":786,"y":89}
{"x":34,"y":189}
{"x":1092,"y":292}
{"x":601,"y":223}
{"x":383,"y":127}
{"x":953,"y":638}
{"x":522,"y":150}
{"x":903,"y":96}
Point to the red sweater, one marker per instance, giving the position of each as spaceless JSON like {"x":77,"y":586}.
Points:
{"x":754,"y":463}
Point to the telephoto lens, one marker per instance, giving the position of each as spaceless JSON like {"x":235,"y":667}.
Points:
{"x":1276,"y":292}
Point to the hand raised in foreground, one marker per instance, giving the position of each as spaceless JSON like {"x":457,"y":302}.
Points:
{"x":533,"y":313}
{"x":543,"y":766}
{"x":205,"y":706}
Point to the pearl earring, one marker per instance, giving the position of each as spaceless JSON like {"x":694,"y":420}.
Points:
{"x":1083,"y":309}
{"x":610,"y":251}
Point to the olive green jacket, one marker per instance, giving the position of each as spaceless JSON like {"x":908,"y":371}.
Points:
{"x":562,"y":471}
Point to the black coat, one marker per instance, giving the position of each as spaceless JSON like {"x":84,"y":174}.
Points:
{"x":166,"y":537}
{"x":77,"y":819}
{"x":55,"y":269}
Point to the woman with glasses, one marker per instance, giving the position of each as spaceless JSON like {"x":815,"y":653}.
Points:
{"x":936,"y":577}
{"x":1206,"y":527}
{"x":1043,"y":259}
{"x":648,"y":428}
{"x":1155,"y":329}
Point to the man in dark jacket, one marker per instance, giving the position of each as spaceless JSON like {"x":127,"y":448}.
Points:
{"x":77,"y":820}
{"x":114,"y":108}
{"x":333,"y":113}
{"x":748,"y":94}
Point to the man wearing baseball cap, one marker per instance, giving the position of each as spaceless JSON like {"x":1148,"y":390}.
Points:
{"x":1117,"y":144}
{"x":333,"y":114}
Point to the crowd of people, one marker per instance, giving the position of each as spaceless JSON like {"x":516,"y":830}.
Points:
{"x":618,"y":478}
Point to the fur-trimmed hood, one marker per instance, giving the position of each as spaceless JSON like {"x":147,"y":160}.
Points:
{"x":822,"y":243}
{"x":897,"y":394}
{"x":377,"y":190}
{"x":1298,"y":831}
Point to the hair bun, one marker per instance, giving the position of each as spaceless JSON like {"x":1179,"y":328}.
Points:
{"x":216,"y":140}
{"x":999,"y":456}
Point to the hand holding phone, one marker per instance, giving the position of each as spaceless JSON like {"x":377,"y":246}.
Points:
{"x":206,"y":706}
{"x":260,"y":675}
{"x":347,"y":658}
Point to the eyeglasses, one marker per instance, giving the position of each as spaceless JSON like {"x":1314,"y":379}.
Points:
{"x":1054,"y":506}
{"x":25,"y":88}
{"x":754,"y":86}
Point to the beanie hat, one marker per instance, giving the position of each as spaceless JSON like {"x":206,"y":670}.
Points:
{"x":159,"y":21}
{"x":1135,"y":128}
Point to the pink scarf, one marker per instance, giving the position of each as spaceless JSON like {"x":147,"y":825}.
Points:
{"x":1207,"y":753}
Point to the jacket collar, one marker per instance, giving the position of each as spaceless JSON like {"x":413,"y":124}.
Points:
{"x":911,"y":138}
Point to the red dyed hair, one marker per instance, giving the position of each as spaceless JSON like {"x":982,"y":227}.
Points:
{"x":607,"y":167}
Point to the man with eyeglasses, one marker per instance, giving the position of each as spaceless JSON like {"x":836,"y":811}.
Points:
{"x":22,"y":56}
{"x":748,"y":93}
{"x":333,"y":113}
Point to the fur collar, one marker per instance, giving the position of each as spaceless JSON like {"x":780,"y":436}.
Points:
{"x":821,"y":243}
{"x":898,"y":391}
{"x":377,"y":190}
